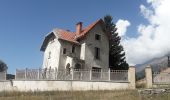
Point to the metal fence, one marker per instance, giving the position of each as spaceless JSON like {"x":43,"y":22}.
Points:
{"x":161,"y":77}
{"x":2,"y":75}
{"x":74,"y":74}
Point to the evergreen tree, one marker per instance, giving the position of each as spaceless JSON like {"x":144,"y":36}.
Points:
{"x":3,"y":66}
{"x":116,"y":52}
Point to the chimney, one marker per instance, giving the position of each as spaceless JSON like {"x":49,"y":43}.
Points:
{"x":78,"y":28}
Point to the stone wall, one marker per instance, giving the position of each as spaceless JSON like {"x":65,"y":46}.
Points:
{"x":148,"y":75}
{"x":157,"y":79}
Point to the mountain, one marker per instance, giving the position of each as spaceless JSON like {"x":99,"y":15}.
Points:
{"x":157,"y":65}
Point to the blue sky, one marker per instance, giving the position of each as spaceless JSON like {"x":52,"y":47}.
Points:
{"x":24,"y":23}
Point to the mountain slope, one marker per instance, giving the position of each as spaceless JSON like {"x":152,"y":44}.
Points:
{"x":157,"y":64}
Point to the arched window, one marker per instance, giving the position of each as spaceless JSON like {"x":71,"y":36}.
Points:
{"x":68,"y":69}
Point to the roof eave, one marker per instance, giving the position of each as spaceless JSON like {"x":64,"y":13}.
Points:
{"x":74,"y":42}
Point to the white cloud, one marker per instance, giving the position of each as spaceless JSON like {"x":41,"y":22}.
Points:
{"x":122,"y":26}
{"x":145,"y":11}
{"x":154,"y":38}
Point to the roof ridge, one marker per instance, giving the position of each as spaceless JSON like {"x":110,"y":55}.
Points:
{"x":64,"y":30}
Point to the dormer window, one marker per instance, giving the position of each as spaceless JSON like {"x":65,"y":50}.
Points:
{"x":97,"y":37}
{"x":64,"y":50}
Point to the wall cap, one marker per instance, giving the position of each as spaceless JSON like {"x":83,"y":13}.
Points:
{"x":132,"y":67}
{"x":148,"y":67}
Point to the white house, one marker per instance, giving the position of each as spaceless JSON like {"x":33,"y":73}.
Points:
{"x":87,"y":48}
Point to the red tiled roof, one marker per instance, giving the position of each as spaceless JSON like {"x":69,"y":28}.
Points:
{"x":69,"y":36}
{"x":66,"y":35}
{"x":72,"y":37}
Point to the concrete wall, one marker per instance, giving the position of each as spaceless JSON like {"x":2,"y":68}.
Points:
{"x":148,"y":75}
{"x":131,"y":77}
{"x":50,"y":85}
{"x":6,"y":86}
{"x":91,"y":43}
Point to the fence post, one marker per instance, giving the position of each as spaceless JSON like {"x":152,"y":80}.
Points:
{"x":6,"y":75}
{"x":55,"y":73}
{"x":72,"y":73}
{"x":101,"y":74}
{"x":90,"y":74}
{"x":16,"y":74}
{"x":38,"y":77}
{"x":131,"y":77}
{"x":148,"y":75}
{"x":81,"y":75}
{"x":25,"y":73}
{"x":109,"y":74}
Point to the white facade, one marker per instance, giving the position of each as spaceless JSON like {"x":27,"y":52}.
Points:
{"x":58,"y":52}
{"x":51,"y":54}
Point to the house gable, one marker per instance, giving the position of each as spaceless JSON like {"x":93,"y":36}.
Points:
{"x":89,"y":28}
{"x":46,"y":41}
{"x":102,"y":47}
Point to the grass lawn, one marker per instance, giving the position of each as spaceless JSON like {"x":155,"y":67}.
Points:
{"x":82,"y":95}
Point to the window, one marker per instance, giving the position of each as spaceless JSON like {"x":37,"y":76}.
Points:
{"x":73,"y":49}
{"x":96,"y":73}
{"x":49,"y":55}
{"x":68,"y":69}
{"x":64,"y":50}
{"x":97,"y":53}
{"x":52,"y":40}
{"x":96,"y":69}
{"x":97,"y":37}
{"x":77,"y":66}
